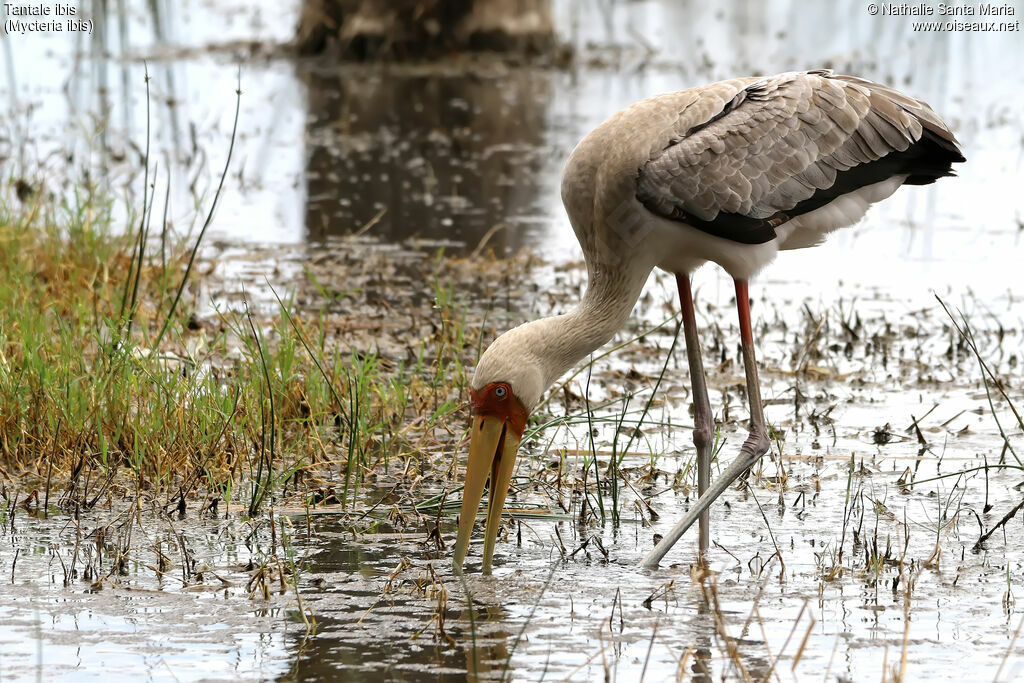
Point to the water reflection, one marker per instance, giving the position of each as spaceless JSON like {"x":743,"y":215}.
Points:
{"x":377,"y":621}
{"x":701,"y":669}
{"x":492,"y":657}
{"x":429,"y":153}
{"x":452,"y":152}
{"x":387,"y":654}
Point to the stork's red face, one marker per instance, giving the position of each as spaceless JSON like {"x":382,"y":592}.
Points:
{"x":499,"y":419}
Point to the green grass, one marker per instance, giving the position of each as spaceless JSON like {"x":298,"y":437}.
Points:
{"x":104,"y":371}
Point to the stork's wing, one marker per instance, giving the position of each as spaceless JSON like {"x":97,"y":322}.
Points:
{"x":787,"y":145}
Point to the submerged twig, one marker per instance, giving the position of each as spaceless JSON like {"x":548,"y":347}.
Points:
{"x":987,"y":373}
{"x":1006,"y":518}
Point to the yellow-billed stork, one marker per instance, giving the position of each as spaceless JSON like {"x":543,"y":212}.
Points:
{"x":732,"y":173}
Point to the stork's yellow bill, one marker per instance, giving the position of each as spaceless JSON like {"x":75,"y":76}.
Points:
{"x":498,"y":422}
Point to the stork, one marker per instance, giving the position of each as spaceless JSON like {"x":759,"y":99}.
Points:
{"x":732,"y":173}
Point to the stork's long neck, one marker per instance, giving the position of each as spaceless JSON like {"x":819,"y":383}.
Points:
{"x":563,"y":341}
{"x":533,"y":356}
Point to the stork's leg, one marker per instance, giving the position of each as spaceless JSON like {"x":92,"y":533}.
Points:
{"x":757,"y":443}
{"x":703,"y":423}
{"x":753,"y":448}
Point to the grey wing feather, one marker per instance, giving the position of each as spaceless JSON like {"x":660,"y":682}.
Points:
{"x":788,"y":144}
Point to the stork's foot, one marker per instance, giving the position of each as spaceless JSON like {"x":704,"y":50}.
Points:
{"x":755,"y":446}
{"x":753,"y":449}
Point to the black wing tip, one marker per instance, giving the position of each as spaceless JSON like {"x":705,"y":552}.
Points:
{"x":945,"y":140}
{"x":935,"y":158}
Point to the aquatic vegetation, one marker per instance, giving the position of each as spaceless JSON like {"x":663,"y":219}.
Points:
{"x":259,"y":477}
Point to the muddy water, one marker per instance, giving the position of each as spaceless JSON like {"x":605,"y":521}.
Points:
{"x":590,"y":615}
{"x":854,"y":348}
{"x":818,"y":570}
{"x":566,"y":599}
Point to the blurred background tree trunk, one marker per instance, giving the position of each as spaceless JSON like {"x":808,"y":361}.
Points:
{"x":415,"y":29}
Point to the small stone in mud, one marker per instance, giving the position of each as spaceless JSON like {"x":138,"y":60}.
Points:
{"x":882,"y":435}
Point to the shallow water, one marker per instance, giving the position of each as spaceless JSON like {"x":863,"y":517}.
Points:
{"x":446,"y":155}
{"x":452,"y":150}
{"x":545,"y":615}
{"x":566,"y":600}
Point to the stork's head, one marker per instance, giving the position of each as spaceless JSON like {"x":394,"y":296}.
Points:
{"x":507,"y":385}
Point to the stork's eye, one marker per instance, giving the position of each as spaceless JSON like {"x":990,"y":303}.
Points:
{"x":500,"y":391}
